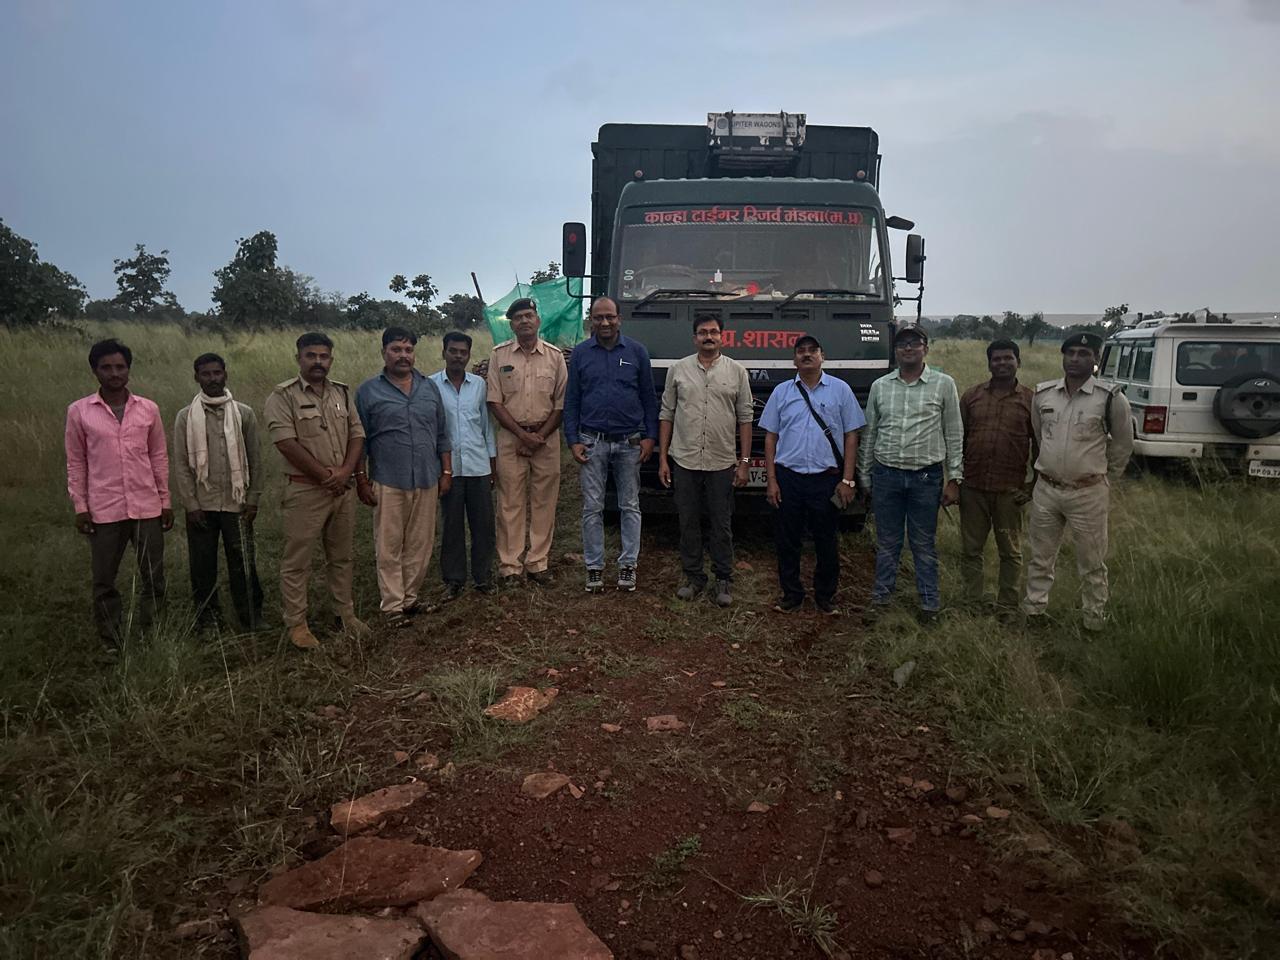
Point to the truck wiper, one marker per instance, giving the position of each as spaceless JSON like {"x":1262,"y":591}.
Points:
{"x":829,"y":290}
{"x":678,"y":293}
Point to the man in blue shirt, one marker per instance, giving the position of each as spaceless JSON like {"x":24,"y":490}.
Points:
{"x":809,"y":466}
{"x":410,"y":466}
{"x":610,"y":424}
{"x":469,"y":501}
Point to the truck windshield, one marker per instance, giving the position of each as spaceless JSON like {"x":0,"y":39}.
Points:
{"x":750,"y":252}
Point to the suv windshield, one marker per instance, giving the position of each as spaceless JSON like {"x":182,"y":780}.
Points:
{"x":1211,"y":363}
{"x":749,"y":252}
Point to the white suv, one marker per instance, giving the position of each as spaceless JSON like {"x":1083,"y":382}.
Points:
{"x":1201,"y":390}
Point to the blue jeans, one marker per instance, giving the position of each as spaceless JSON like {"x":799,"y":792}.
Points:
{"x":623,"y":460}
{"x":910,"y":498}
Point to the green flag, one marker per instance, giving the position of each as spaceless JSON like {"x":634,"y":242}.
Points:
{"x":561,"y":313}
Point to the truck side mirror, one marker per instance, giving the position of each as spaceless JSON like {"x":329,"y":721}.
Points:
{"x":573,"y":255}
{"x":915,"y":258}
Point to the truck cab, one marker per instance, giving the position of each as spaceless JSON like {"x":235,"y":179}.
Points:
{"x":771,"y":225}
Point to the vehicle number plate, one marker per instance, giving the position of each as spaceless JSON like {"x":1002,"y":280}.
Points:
{"x":1264,"y":468}
{"x":756,"y":477}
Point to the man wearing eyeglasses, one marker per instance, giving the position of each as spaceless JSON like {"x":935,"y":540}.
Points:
{"x":611,"y":426}
{"x":912,"y":460}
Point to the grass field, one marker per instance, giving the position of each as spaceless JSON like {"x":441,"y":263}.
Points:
{"x":1155,"y":747}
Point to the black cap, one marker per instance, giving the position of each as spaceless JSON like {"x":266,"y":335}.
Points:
{"x":524,"y":303}
{"x":911,"y":331}
{"x":1090,"y":340}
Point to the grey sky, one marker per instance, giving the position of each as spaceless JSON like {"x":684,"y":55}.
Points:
{"x":1058,"y":157}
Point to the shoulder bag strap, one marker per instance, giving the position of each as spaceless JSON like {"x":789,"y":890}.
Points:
{"x":804,"y":392}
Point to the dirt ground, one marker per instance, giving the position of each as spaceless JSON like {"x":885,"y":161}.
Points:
{"x":867,"y":841}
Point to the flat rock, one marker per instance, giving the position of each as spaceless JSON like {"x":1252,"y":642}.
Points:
{"x":371,"y":872}
{"x":901,"y":835}
{"x":542,"y":785}
{"x":467,"y":925}
{"x":874,"y":879}
{"x":611,"y":727}
{"x":997,"y":813}
{"x":521,"y":704}
{"x":664,"y":723}
{"x":356,"y":816}
{"x":278,"y":933}
{"x":757,"y":806}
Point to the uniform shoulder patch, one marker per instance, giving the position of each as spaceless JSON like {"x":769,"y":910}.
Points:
{"x":287,"y":383}
{"x":1045,"y":385}
{"x":339,"y":383}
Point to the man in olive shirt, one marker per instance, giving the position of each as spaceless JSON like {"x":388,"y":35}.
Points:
{"x":313,"y":423}
{"x":705,"y":402}
{"x":219,"y":479}
{"x":997,"y":451}
{"x":1085,"y":437}
{"x":526,"y":384}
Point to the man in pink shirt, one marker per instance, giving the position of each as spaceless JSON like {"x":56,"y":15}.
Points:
{"x":118,"y":479}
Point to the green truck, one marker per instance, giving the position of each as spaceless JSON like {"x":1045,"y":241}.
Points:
{"x":769,"y":223}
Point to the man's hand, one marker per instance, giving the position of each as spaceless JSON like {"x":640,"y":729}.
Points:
{"x":579,"y":451}
{"x":741,"y":474}
{"x":646,"y":449}
{"x":249,"y":514}
{"x":664,"y":471}
{"x":84,"y":524}
{"x":845,"y":493}
{"x":196,"y":518}
{"x":336,"y":481}
{"x":1022,"y":496}
{"x":446,"y":484}
{"x":166,"y":519}
{"x":532,"y":440}
{"x":364,"y":490}
{"x":773,"y":493}
{"x":950,"y":493}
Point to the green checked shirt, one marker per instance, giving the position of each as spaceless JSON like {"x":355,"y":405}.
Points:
{"x":913,"y":425}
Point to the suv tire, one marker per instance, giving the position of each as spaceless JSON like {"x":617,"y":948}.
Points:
{"x":1248,"y":405}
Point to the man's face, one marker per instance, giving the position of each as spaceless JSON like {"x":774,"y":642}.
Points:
{"x":526,"y":323}
{"x":1003,"y":364}
{"x":397,"y":356}
{"x":910,"y":351}
{"x":808,"y":357}
{"x":112,"y":372}
{"x":314,"y":362}
{"x":605,"y":322}
{"x":708,"y":336}
{"x":456,"y":355}
{"x":1077,"y":362}
{"x":212,"y":378}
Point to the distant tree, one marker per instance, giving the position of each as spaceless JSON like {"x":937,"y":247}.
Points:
{"x":546,"y":276}
{"x":1113,"y":318}
{"x":363,"y":312}
{"x":1013,"y":325}
{"x":1034,"y":327}
{"x":141,"y":280}
{"x":463,"y":311}
{"x":421,"y":289}
{"x":252,"y":290}
{"x":31,"y":290}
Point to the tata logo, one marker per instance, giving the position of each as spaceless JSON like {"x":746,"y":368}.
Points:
{"x":758,"y":374}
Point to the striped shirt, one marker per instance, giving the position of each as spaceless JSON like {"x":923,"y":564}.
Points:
{"x":913,"y":425}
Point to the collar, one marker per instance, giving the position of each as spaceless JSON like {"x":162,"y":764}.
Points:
{"x":467,"y":377}
{"x":538,"y":345}
{"x":96,"y":397}
{"x":594,"y":343}
{"x":926,"y":375}
{"x":1013,"y":393}
{"x":414,"y":375}
{"x":1086,"y":387}
{"x":825,"y":378}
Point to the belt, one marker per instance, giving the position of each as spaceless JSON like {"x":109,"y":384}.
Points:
{"x":1089,"y":481}
{"x":817,"y":473}
{"x":929,"y":466}
{"x":609,"y":437}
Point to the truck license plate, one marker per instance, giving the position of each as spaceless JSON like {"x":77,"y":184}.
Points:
{"x":1263,"y":468}
{"x":756,"y":476}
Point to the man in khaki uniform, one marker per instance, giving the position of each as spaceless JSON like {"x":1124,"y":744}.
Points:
{"x":313,"y":423}
{"x":526,"y":384}
{"x":1085,"y":439}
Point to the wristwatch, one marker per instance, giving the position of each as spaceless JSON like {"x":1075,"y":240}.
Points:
{"x":849,"y":483}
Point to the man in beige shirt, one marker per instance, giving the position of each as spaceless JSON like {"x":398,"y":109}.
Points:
{"x":312,"y":421}
{"x":1085,"y":438}
{"x":526,"y":384}
{"x":706,"y":408}
{"x":219,"y":478}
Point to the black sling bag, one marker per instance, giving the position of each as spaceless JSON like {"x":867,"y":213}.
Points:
{"x":804,"y":392}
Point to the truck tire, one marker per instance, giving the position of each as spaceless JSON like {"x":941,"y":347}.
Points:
{"x":1248,"y":405}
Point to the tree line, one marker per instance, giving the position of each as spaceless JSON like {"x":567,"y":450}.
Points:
{"x":1014,"y":326}
{"x":252,"y":291}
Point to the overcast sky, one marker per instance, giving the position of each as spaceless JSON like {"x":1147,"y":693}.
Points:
{"x":1058,"y":157}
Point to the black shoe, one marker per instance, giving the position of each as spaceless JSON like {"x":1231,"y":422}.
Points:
{"x":486,"y":588}
{"x":827,"y":607}
{"x":509,"y":581}
{"x":452,"y":591}
{"x":789,"y":604}
{"x":928,"y":618}
{"x":542,"y":578}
